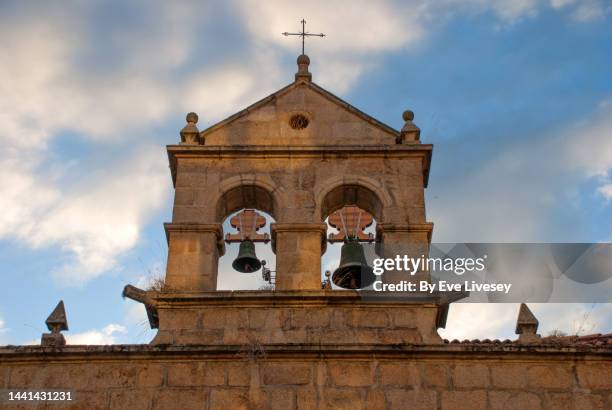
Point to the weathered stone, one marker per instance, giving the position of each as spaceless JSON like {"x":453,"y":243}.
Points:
{"x":590,"y":401}
{"x":139,"y":399}
{"x":232,"y":398}
{"x":394,"y":374}
{"x":560,"y":401}
{"x":509,"y":376}
{"x":413,"y":399}
{"x":364,"y":318}
{"x":351,"y":374}
{"x":375,"y":400}
{"x":342,"y":399}
{"x":595,"y":376}
{"x":549,"y":376}
{"x":188,"y":399}
{"x":238,"y":374}
{"x":502,"y":400}
{"x":287,"y":373}
{"x":468,"y":400}
{"x":471,"y":376}
{"x":306,"y":398}
{"x":281,"y":398}
{"x":196,"y":374}
{"x":435,"y":375}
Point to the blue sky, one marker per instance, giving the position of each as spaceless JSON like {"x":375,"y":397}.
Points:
{"x":516,"y":95}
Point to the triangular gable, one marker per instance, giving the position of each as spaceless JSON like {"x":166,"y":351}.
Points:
{"x":331,"y":121}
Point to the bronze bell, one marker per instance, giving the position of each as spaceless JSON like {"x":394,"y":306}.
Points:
{"x":353,"y":272}
{"x":246,"y":261}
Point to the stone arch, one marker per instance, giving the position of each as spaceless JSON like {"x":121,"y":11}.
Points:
{"x":240,"y":192}
{"x":361,"y":191}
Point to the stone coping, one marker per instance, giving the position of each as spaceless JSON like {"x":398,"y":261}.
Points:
{"x":204,"y":150}
{"x":297,"y":151}
{"x":303,"y":297}
{"x":491,"y":351}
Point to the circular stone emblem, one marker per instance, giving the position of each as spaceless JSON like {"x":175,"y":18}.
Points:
{"x":298,"y":122}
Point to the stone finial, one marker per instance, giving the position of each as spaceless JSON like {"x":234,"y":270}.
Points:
{"x":410,"y":132}
{"x":56,"y":322}
{"x":527,"y":325}
{"x":326,"y":285}
{"x":303,"y":61}
{"x":190,"y":134}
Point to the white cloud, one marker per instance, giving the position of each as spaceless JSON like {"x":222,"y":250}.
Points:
{"x":354,"y":29}
{"x":509,"y":198}
{"x":105,"y":336}
{"x":558,"y":4}
{"x":108,"y":335}
{"x":136,"y":315}
{"x":583,"y":10}
{"x":50,"y":83}
{"x":606,"y":191}
{"x":94,"y":222}
{"x":480,"y":321}
{"x":498,"y":321}
{"x":93,"y":214}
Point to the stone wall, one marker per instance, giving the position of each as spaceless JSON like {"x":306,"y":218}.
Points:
{"x":299,"y":187}
{"x":463,"y":376}
{"x":331,"y":122}
{"x":322,"y":318}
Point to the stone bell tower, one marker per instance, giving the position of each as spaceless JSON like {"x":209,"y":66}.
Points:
{"x":299,"y":154}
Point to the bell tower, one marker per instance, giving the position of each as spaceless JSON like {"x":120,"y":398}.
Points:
{"x":301,"y":155}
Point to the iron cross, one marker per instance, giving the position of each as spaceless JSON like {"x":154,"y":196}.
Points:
{"x":303,"y":34}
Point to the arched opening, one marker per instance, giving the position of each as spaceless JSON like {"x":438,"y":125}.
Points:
{"x":244,"y":197}
{"x":349,"y":210}
{"x":235,"y":208}
{"x":352,"y":194}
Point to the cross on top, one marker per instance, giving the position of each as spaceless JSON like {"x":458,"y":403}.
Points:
{"x":303,"y":34}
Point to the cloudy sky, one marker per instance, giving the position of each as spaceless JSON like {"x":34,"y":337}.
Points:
{"x":516,"y":95}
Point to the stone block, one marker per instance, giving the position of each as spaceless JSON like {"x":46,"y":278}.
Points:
{"x":183,"y":319}
{"x":287,"y":373}
{"x":281,"y":398}
{"x":342,"y":399}
{"x":94,"y":400}
{"x":269,"y":318}
{"x":595,"y":376}
{"x":310,"y":318}
{"x":403,"y":318}
{"x":184,"y":197}
{"x":503,"y":400}
{"x":549,"y":377}
{"x":188,"y":399}
{"x":412,"y":399}
{"x":558,"y":401}
{"x":233,"y":398}
{"x":196,"y":374}
{"x":133,"y":399}
{"x":464,"y":400}
{"x":471,"y":376}
{"x":306,"y":398}
{"x":365,"y":318}
{"x":590,"y":401}
{"x":222,"y":318}
{"x":375,"y":400}
{"x":189,"y":179}
{"x":353,"y":374}
{"x":239,"y":374}
{"x":398,"y":374}
{"x":150,"y":375}
{"x":509,"y":376}
{"x":435,"y":375}
{"x":399,"y":336}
